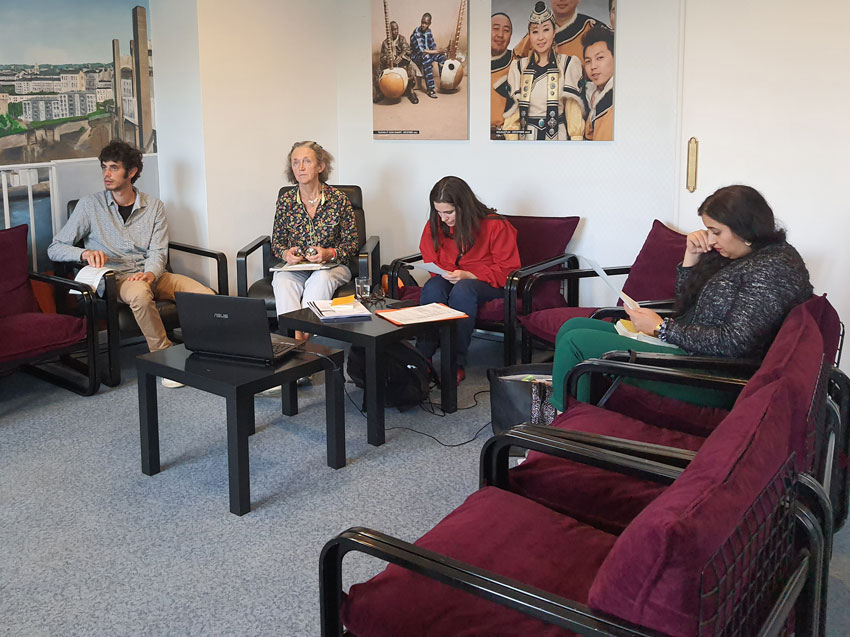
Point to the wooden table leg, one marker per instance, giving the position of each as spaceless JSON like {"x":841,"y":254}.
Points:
{"x":148,"y":423}
{"x":448,"y":366}
{"x":239,"y":410}
{"x":289,"y":399}
{"x":375,"y":375}
{"x":335,"y":418}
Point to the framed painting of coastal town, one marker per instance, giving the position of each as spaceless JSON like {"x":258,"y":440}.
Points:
{"x":420,"y":57}
{"x":552,"y":70}
{"x":70,"y":83}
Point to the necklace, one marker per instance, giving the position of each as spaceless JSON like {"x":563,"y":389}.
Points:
{"x":312,"y":201}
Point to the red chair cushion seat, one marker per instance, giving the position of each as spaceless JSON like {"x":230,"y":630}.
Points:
{"x":32,"y":334}
{"x":495,"y":530}
{"x":544,"y":324}
{"x":605,"y":499}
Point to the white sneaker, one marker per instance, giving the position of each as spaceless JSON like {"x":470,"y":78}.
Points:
{"x":171,"y":384}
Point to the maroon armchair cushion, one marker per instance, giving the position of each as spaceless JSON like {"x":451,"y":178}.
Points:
{"x":664,"y":411}
{"x":653,"y":273}
{"x":651,"y":576}
{"x":545,"y":324}
{"x":539,"y":239}
{"x":605,"y":499}
{"x":15,"y":291}
{"x":495,"y":530}
{"x":28,"y":335}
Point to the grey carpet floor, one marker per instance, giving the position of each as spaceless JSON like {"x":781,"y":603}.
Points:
{"x":91,"y":546}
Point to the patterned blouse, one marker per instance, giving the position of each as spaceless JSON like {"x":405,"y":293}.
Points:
{"x":333,"y":226}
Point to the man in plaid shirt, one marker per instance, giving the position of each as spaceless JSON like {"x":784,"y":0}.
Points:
{"x":424,"y":52}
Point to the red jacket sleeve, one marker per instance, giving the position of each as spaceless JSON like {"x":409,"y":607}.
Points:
{"x":499,"y":256}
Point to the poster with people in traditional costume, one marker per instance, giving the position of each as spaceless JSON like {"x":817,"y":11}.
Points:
{"x":552,"y":70}
{"x":420,"y":57}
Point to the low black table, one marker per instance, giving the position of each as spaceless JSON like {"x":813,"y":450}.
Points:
{"x":374,"y":336}
{"x":237,"y":383}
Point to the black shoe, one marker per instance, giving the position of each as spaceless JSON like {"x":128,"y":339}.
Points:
{"x":432,"y":93}
{"x":378,"y":97}
{"x":412,"y":97}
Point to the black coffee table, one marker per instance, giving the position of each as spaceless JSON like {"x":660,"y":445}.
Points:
{"x":237,"y":383}
{"x":374,"y":336}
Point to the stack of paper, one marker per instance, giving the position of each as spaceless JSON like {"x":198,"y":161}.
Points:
{"x":300,"y":267}
{"x":328,"y":311}
{"x":421,"y":314}
{"x":627,"y":329}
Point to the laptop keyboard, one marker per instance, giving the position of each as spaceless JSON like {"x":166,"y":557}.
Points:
{"x":280,"y":349}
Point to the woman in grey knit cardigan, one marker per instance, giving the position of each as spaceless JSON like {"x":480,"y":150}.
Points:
{"x":738,"y":280}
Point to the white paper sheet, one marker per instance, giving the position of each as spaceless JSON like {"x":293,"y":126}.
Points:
{"x":429,"y":267}
{"x":593,"y":265}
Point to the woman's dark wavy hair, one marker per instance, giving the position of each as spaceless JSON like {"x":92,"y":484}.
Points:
{"x":749,"y":216}
{"x":469,"y":212}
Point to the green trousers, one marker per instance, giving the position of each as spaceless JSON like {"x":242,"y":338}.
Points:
{"x":583,"y":338}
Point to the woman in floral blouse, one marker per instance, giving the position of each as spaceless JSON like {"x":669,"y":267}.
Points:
{"x":313,"y":223}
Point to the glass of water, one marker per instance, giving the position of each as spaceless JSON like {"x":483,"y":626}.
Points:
{"x":362,"y":287}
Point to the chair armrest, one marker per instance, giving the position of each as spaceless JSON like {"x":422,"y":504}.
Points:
{"x":369,"y":259}
{"x":264,"y":242}
{"x":673,"y":456}
{"x":572,"y":276}
{"x":598,"y":367}
{"x":395,"y":267}
{"x":663,"y":308}
{"x":86,"y":295}
{"x":493,"y":465}
{"x":744,"y":367}
{"x":219,"y":257}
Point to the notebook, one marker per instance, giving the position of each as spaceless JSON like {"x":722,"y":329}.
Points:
{"x":230,"y":327}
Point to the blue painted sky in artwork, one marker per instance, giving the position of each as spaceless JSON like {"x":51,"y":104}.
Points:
{"x":65,"y":32}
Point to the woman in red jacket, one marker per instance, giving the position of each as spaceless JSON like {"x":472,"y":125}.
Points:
{"x":478,"y":250}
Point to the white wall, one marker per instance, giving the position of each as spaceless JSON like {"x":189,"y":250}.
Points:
{"x":617,"y":188}
{"x":267,"y":80}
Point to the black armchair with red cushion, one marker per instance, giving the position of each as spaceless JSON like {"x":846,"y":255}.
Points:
{"x":542,"y":244}
{"x":45,"y":345}
{"x":720,"y":534}
{"x":651,"y":280}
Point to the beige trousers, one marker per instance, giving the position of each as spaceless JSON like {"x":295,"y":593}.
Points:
{"x":142,"y":298}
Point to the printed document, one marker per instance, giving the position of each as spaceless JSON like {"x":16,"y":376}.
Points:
{"x":627,"y":300}
{"x":327,"y":311}
{"x":92,"y":277}
{"x":627,"y":329}
{"x":421,"y":314}
{"x":429,"y":267}
{"x":300,"y":267}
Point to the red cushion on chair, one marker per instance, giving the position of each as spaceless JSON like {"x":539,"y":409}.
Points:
{"x":31,"y":334}
{"x":651,"y":576}
{"x":664,"y":411}
{"x":495,"y":530}
{"x":607,"y":500}
{"x":15,"y":291}
{"x":653,"y":274}
{"x":539,"y":239}
{"x":545,"y":324}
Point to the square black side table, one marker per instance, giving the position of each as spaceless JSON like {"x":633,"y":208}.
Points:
{"x":238,"y":383}
{"x":374,"y":335}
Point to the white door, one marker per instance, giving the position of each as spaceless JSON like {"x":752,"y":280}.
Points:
{"x":766,"y":91}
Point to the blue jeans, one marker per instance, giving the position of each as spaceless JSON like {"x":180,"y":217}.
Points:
{"x":466,"y":296}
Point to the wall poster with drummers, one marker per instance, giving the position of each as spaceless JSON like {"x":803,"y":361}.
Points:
{"x":552,"y":70}
{"x":420,"y":57}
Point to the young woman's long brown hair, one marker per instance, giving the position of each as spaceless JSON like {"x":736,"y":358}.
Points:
{"x":469,"y":212}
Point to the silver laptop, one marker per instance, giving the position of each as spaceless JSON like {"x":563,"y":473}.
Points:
{"x":230,"y":327}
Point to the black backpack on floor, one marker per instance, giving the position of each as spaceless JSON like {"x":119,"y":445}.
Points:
{"x":408,"y":379}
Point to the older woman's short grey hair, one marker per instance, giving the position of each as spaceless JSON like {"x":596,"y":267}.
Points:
{"x":322,"y":156}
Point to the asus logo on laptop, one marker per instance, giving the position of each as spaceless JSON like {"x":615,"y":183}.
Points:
{"x":221,"y":315}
